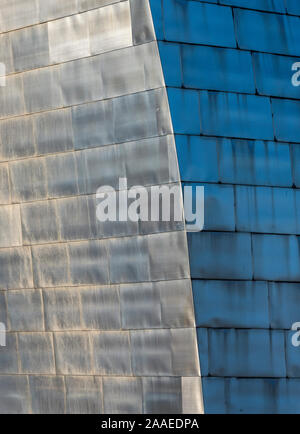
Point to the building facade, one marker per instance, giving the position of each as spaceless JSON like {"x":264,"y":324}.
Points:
{"x":143,"y":317}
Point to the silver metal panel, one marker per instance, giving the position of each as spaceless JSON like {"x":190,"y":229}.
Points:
{"x":142,"y":23}
{"x":28,"y":180}
{"x":110,"y":27}
{"x":18,"y":13}
{"x":89,"y":263}
{"x":152,"y":227}
{"x":192,"y":399}
{"x":39,"y":222}
{"x":151,"y":352}
{"x":155,"y":152}
{"x":51,"y":9}
{"x":109,"y":229}
{"x":162,"y":395}
{"x":160,"y":246}
{"x":12,"y":97}
{"x":16,"y":138}
{"x":73,"y":218}
{"x":69,"y":38}
{"x":92,"y":4}
{"x":185,"y":358}
{"x":81,"y":81}
{"x":47,"y":394}
{"x":131,"y":111}
{"x":129,"y":260}
{"x":3,"y":308}
{"x":99,"y":105}
{"x":61,"y":173}
{"x":84,"y":395}
{"x":101,"y":167}
{"x":42,"y":89}
{"x":111,"y":353}
{"x":100,"y":308}
{"x":122,"y":395}
{"x":176,"y":303}
{"x":62,"y":309}
{"x":140,"y":306}
{"x":15,"y":268}
{"x":6,"y":52}
{"x":73,"y":353}
{"x":50,"y":265}
{"x":30,"y":47}
{"x":14,"y":395}
{"x":41,"y":346}
{"x":5,"y":196}
{"x":10,"y":224}
{"x":53,"y":131}
{"x":93,"y":124}
{"x":9,"y":357}
{"x":131,"y":70}
{"x":25,"y":310}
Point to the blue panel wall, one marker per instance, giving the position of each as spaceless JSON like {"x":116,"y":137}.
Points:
{"x":236,"y":116}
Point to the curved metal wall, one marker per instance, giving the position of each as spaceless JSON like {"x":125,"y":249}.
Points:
{"x":100,"y":317}
{"x":235,"y":111}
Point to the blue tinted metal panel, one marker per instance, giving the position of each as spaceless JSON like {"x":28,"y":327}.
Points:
{"x":266,"y":210}
{"x":264,"y":5}
{"x":255,"y":162}
{"x":184,"y":105}
{"x":231,"y":304}
{"x":219,"y":212}
{"x":198,"y":158}
{"x":196,"y":23}
{"x":235,"y":115}
{"x":214,"y":395}
{"x":286,"y":119}
{"x":253,"y":396}
{"x":273,"y":75}
{"x":246,"y":353}
{"x":272,"y":33}
{"x":220,"y":255}
{"x":284,"y":304}
{"x":288,"y":396}
{"x":296,"y":164}
{"x":276,"y":257}
{"x":292,"y":356}
{"x":217,"y":69}
{"x":157,"y":15}
{"x":293,"y":7}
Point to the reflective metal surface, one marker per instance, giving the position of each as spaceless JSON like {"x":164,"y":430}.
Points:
{"x":100,"y":316}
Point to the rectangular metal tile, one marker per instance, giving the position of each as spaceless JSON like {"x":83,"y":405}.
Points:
{"x":42,"y":89}
{"x":50,"y":265}
{"x":122,"y":395}
{"x":30,"y":47}
{"x":41,"y":345}
{"x":47,"y":394}
{"x":25,"y":310}
{"x":84,"y":395}
{"x":110,"y":27}
{"x":111,"y":353}
{"x":68,"y":38}
{"x":17,"y":138}
{"x":62,"y":309}
{"x":100,"y":308}
{"x":73,"y":353}
{"x":53,"y":131}
{"x":88,"y":262}
{"x":39,"y":222}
